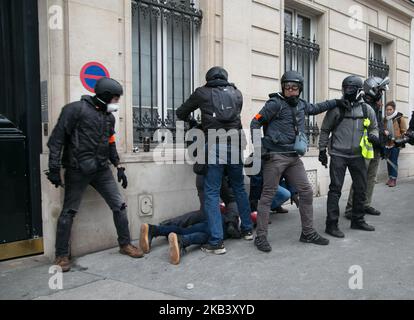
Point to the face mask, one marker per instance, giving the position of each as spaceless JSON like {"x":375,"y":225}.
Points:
{"x":112,"y":107}
{"x":293,"y":101}
{"x":351,"y":94}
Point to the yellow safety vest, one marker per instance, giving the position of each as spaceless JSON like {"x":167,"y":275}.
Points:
{"x":366,"y":146}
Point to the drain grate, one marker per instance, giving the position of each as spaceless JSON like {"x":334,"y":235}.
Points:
{"x":313,"y":179}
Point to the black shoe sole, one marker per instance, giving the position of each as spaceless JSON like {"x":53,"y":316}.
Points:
{"x":315,"y":243}
{"x":362,"y":229}
{"x":263,"y":250}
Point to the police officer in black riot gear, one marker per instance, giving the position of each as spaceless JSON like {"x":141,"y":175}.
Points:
{"x":83,"y":143}
{"x":342,"y":132}
{"x":373,"y":89}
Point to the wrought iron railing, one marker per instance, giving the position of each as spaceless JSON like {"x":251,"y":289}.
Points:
{"x":378,"y":68}
{"x":170,"y":27}
{"x":301,"y":55}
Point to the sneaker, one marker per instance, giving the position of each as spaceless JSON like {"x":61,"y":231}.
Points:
{"x":247,"y":235}
{"x":314,"y":238}
{"x":177,"y":249}
{"x":393,"y":183}
{"x":216,"y":249}
{"x":372,"y":211}
{"x":262,"y":244}
{"x":64,"y":263}
{"x":334,"y":231}
{"x":361,"y":225}
{"x":279,"y":210}
{"x":131,"y":251}
{"x":145,"y":237}
{"x":388,"y":182}
{"x":233,"y":231}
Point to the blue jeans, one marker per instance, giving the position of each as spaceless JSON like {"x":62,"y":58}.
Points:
{"x":392,"y":154}
{"x":212,"y":185}
{"x":195,"y":234}
{"x":281,"y":196}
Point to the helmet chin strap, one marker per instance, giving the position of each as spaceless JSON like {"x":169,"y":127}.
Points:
{"x":101,"y":100}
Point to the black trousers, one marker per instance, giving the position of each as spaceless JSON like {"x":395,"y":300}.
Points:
{"x":75,"y":185}
{"x":358,"y":170}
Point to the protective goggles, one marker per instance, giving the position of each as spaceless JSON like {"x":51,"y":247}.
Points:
{"x":290,"y":86}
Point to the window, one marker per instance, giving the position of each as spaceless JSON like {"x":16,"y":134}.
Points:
{"x":301,"y":54}
{"x":377,"y":64}
{"x":164,"y":46}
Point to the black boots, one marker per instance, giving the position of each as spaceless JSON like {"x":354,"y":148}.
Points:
{"x":334,"y":231}
{"x":361,"y":225}
{"x":314,"y":238}
{"x":372,"y":211}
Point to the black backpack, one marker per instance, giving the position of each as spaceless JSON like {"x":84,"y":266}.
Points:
{"x":225,"y":109}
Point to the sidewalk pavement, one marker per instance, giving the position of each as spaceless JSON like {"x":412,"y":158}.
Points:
{"x":293,"y":270}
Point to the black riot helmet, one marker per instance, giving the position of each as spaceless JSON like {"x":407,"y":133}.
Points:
{"x":106,"y":89}
{"x":352,"y":88}
{"x":295,"y":77}
{"x":217,"y":73}
{"x":374,"y":88}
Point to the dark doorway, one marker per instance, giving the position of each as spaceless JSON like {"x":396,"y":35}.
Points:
{"x":20,"y":103}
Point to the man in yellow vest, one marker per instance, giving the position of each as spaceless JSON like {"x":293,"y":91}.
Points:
{"x":348,"y":132}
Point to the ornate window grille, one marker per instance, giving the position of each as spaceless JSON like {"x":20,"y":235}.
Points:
{"x":378,"y":68}
{"x":164,"y":48}
{"x":301,"y":55}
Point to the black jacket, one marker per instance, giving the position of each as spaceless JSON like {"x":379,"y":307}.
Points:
{"x":381,"y":129}
{"x":83,"y":132}
{"x":202,"y":99}
{"x":277,"y":119}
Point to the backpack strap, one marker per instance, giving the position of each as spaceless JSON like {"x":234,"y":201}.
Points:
{"x":365,"y":110}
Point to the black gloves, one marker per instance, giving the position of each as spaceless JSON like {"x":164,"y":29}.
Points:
{"x":343,"y":103}
{"x":323,"y":158}
{"x":294,"y":199}
{"x":122,"y":177}
{"x":192,"y":123}
{"x":53,"y":175}
{"x":376,"y":142}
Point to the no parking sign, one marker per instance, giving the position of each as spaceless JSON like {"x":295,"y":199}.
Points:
{"x":91,"y":73}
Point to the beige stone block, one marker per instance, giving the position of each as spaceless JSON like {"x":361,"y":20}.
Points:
{"x":110,"y":5}
{"x":98,"y":41}
{"x":265,"y":41}
{"x":382,"y":20}
{"x":347,"y":63}
{"x":403,"y":62}
{"x":340,"y":22}
{"x":404,"y":108}
{"x":265,"y":17}
{"x":261,"y":87}
{"x":236,"y":20}
{"x":398,"y":28}
{"x":403,"y":78}
{"x":347,"y":44}
{"x":336,"y":78}
{"x":270,"y":3}
{"x":265,"y":65}
{"x":403,"y":47}
{"x":369,"y":15}
{"x":402,"y":94}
